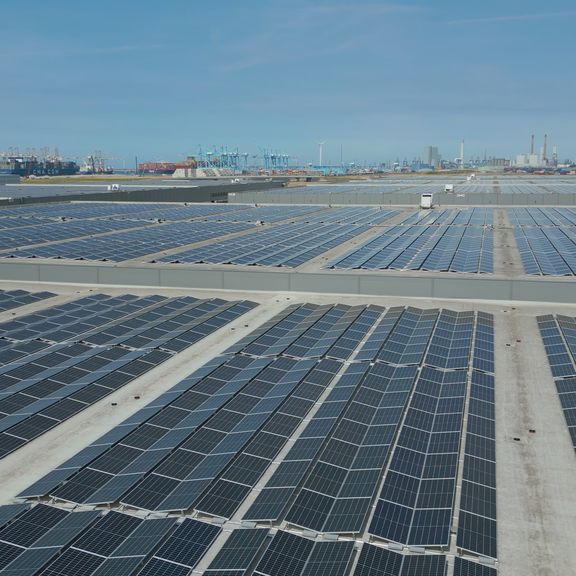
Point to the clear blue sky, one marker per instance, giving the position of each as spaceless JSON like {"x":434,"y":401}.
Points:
{"x":155,"y":79}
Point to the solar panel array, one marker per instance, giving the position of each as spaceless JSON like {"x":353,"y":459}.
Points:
{"x":305,"y":422}
{"x":559,"y":335}
{"x":291,"y":234}
{"x":502,"y":184}
{"x":13,"y":238}
{"x":288,"y":245}
{"x":10,"y":299}
{"x":442,"y":241}
{"x":284,"y":245}
{"x":135,"y":243}
{"x":115,"y":210}
{"x":89,"y":348}
{"x":36,"y":225}
{"x":546,"y":239}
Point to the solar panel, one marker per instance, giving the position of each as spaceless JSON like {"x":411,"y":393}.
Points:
{"x":187,"y":544}
{"x":240,"y":551}
{"x":73,"y":562}
{"x":329,"y":559}
{"x":118,"y":566}
{"x":464,"y":567}
{"x":159,"y":567}
{"x":376,"y":561}
{"x":415,"y":506}
{"x":145,"y":537}
{"x":11,"y":511}
{"x":30,"y":561}
{"x":286,"y":555}
{"x":32,"y":525}
{"x":557,"y":333}
{"x":107,"y":533}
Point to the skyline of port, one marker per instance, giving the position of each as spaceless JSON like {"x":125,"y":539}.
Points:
{"x":538,"y":153}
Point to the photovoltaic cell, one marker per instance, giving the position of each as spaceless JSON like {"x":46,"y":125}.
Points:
{"x":463,"y":567}
{"x":185,"y":547}
{"x":239,"y":551}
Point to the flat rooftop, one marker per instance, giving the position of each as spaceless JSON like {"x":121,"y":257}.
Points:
{"x":306,"y":418}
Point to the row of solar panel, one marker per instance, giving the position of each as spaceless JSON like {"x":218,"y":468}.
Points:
{"x":542,"y":216}
{"x":20,"y":221}
{"x":88,"y":210}
{"x":548,"y":251}
{"x":105,"y":342}
{"x":10,"y":299}
{"x":129,"y":244}
{"x":141,"y":324}
{"x":452,"y":216}
{"x":49,"y":541}
{"x":41,"y":214}
{"x":13,"y":238}
{"x":32,"y":215}
{"x":477,"y":519}
{"x":433,"y":241}
{"x":559,"y":337}
{"x":144,"y":213}
{"x":433,"y":248}
{"x":74,"y":318}
{"x":287,"y":245}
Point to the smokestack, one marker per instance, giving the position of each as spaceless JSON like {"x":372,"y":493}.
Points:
{"x":532,"y":144}
{"x":544,"y":148}
{"x":462,"y":153}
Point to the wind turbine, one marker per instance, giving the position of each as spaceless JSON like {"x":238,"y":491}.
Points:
{"x":320,"y":146}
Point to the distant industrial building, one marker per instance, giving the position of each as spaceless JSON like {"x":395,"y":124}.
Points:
{"x":537,"y":160}
{"x":433,"y":156}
